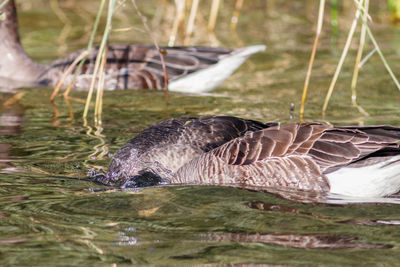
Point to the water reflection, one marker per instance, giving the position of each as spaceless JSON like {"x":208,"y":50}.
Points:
{"x":372,"y":222}
{"x":45,"y":220}
{"x":10,"y":124}
{"x":11,"y":113}
{"x":302,"y":241}
{"x":310,"y":197}
{"x":296,"y":241}
{"x":259,"y":205}
{"x":125,"y":237}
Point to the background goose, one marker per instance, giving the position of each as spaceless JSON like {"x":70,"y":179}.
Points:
{"x":190,"y":69}
{"x":353,"y":161}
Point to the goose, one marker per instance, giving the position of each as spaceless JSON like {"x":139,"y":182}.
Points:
{"x":229,"y":151}
{"x":129,"y":66}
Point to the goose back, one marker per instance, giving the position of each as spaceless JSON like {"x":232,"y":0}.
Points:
{"x":136,"y":66}
{"x":229,"y":151}
{"x":172,"y":143}
{"x":297,"y":156}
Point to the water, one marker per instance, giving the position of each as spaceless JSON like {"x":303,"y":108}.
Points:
{"x":50,"y":217}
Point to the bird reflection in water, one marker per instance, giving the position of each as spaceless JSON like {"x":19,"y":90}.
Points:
{"x":10,"y":124}
{"x":305,"y":241}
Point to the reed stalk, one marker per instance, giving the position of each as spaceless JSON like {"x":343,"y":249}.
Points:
{"x":357,"y":63}
{"x":180,"y":15}
{"x":89,"y":47}
{"x":213,"y":15}
{"x":3,"y":4}
{"x":366,"y":58}
{"x":103,"y":61}
{"x":340,"y":64}
{"x":236,"y":13}
{"x":66,"y":73}
{"x":314,"y":50}
{"x":371,"y":36}
{"x":100,"y":88}
{"x":191,"y":21}
{"x":143,"y":18}
{"x":83,"y":59}
{"x":100,"y":55}
{"x":14,"y":99}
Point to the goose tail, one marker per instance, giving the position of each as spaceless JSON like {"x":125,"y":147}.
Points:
{"x":374,"y":179}
{"x":208,"y":78}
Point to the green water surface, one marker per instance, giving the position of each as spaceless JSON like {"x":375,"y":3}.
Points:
{"x":48,"y":217}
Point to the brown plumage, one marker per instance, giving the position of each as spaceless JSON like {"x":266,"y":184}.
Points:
{"x":129,"y":66}
{"x":242,"y":153}
{"x":137,"y":66}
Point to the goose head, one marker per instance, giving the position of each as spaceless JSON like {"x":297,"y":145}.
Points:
{"x":132,"y":168}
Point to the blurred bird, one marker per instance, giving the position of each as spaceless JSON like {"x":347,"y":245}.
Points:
{"x":132,"y":66}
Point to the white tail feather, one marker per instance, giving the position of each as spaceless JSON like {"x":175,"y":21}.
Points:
{"x":207,"y":79}
{"x":377,"y":180}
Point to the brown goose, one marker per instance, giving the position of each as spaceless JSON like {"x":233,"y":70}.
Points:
{"x":190,"y":69}
{"x":352,"y":161}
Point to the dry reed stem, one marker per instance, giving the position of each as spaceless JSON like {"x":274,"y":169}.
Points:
{"x":66,"y":73}
{"x":103,"y":61}
{"x":91,"y":88}
{"x":213,"y":15}
{"x":366,"y":58}
{"x":236,"y":13}
{"x":99,"y":56}
{"x":314,"y":50}
{"x":70,"y":109}
{"x":100,"y":89}
{"x":143,"y":18}
{"x":340,"y":64}
{"x":3,"y":4}
{"x":14,"y":99}
{"x":357,"y":63}
{"x":90,"y":44}
{"x":190,"y":25}
{"x":56,"y":111}
{"x":371,"y":36}
{"x":180,"y":15}
{"x":66,"y":92}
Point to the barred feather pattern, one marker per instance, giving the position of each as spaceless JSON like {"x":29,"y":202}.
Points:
{"x":192,"y":69}
{"x":292,"y":156}
{"x":242,"y":153}
{"x":135,"y":66}
{"x":174,"y":142}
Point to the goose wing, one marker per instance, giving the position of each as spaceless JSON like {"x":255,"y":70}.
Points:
{"x":200,"y":133}
{"x":176,"y":141}
{"x":140,"y":67}
{"x":341,"y":146}
{"x":207,"y":133}
{"x":329,"y":147}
